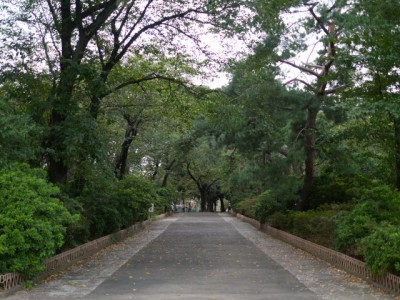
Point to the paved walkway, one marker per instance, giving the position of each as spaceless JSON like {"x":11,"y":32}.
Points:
{"x":202,"y":256}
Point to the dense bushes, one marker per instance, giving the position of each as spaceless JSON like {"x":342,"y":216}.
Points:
{"x":281,"y":198}
{"x":33,"y":221}
{"x":317,"y":226}
{"x":381,"y":248}
{"x":248,"y":207}
{"x":371,"y":229}
{"x":36,"y":218}
{"x":330,"y":188}
{"x":109,"y":205}
{"x":355,"y":215}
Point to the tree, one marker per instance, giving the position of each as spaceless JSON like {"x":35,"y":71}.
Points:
{"x":84,"y":41}
{"x":320,"y":24}
{"x":202,"y":162}
{"x":372,"y":35}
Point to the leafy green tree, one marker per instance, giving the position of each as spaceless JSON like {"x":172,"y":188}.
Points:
{"x":18,"y":135}
{"x":260,"y":129}
{"x":309,"y":31}
{"x":83,"y":42}
{"x":202,"y":166}
{"x":372,"y":36}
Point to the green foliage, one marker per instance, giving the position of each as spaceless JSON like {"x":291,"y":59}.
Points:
{"x":247,"y":207}
{"x":243,"y":183}
{"x":110,"y":205}
{"x":141,"y":193}
{"x":381,"y":249}
{"x":317,"y":226}
{"x":360,"y":231}
{"x":167,"y":196}
{"x":280,"y":220}
{"x":32,"y":220}
{"x":329,"y":188}
{"x":18,"y":135}
{"x":268,"y":204}
{"x":281,"y":198}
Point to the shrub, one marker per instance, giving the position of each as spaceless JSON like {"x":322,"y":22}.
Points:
{"x":78,"y":232}
{"x":279,"y":199}
{"x":267,"y":205}
{"x":381,"y":249}
{"x":247,"y":207}
{"x":167,"y":196}
{"x":329,"y":188}
{"x":111,"y":205}
{"x":362,"y":230}
{"x":32,"y":223}
{"x":375,"y":205}
{"x":141,"y":194}
{"x":99,"y":207}
{"x":317,"y":226}
{"x":281,"y":220}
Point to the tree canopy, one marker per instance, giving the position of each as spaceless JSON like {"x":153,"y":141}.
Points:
{"x":103,"y":98}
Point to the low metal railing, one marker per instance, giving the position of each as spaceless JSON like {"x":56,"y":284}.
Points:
{"x":12,"y":281}
{"x":389,"y":281}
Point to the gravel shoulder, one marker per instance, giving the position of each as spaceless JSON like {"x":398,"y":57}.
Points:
{"x":83,"y":277}
{"x":325,"y":280}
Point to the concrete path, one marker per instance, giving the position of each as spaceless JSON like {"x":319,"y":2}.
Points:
{"x":202,"y":256}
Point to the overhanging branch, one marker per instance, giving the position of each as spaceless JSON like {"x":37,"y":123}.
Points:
{"x":304,"y":69}
{"x":298,"y":80}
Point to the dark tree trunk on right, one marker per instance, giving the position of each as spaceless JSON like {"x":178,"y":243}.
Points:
{"x":396,"y":124}
{"x":130,"y":133}
{"x":309,"y":147}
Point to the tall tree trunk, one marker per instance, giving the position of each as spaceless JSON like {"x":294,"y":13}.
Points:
{"x":167,"y":172}
{"x":221,"y":198}
{"x":203,"y":198}
{"x":210,"y":202}
{"x":397,"y":152}
{"x":61,"y":104}
{"x":130,"y":133}
{"x":309,"y":133}
{"x":61,"y":99}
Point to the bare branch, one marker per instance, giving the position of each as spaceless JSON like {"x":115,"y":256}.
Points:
{"x":336,"y":89}
{"x":198,"y":182}
{"x":142,"y":14}
{"x":125,"y":18}
{"x":153,"y":25}
{"x":298,"y":80}
{"x":89,"y":31}
{"x":304,"y":69}
{"x":318,"y":19}
{"x":149,"y":77}
{"x":92,"y":9}
{"x":54,"y":14}
{"x":313,"y":66}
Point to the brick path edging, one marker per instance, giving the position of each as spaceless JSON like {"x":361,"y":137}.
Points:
{"x":390,"y":282}
{"x":12,"y":282}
